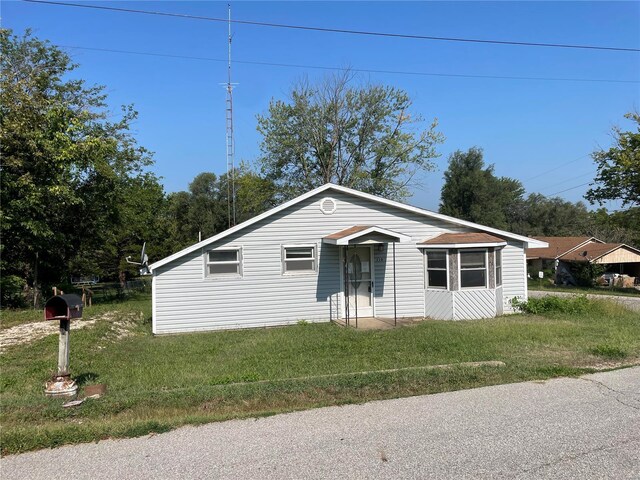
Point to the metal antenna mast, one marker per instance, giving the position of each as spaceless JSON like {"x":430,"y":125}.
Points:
{"x":231,"y":168}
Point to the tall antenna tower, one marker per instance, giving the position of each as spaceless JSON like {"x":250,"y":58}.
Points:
{"x":231,"y":167}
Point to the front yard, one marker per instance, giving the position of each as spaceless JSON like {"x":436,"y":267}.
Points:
{"x":157,"y":383}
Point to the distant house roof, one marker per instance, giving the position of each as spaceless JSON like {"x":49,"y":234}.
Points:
{"x":467,"y":239}
{"x":593,"y":251}
{"x":559,"y":246}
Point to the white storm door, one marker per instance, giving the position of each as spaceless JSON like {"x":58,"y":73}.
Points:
{"x":360,"y":285}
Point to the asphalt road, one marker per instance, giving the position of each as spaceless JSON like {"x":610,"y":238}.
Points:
{"x":564,"y":428}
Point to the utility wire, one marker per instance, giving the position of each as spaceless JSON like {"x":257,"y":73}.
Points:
{"x":548,"y":187}
{"x":339,"y":30}
{"x":566,"y":190}
{"x":556,"y":168}
{"x":359,"y":70}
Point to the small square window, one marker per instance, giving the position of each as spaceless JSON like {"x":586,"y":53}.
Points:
{"x":223,"y":262}
{"x":298,"y":259}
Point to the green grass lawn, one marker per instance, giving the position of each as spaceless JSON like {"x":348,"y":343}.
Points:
{"x":544,"y":285}
{"x":158,"y":383}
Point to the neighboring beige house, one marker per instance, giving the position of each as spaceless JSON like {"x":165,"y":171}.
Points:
{"x":564,"y":251}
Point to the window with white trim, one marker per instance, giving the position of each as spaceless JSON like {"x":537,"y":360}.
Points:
{"x":473,"y":268}
{"x":436,"y":265}
{"x":298,"y":258}
{"x":498,"y":267}
{"x":224,"y":262}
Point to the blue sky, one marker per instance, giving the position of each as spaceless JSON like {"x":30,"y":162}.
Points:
{"x":525,"y":127}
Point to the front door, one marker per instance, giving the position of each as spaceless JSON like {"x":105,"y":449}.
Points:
{"x":360,"y":282}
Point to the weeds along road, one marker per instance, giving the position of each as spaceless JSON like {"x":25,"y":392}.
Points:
{"x":586,"y":427}
{"x":632,"y":303}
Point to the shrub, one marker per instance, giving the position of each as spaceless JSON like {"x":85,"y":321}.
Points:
{"x":12,"y":288}
{"x":550,"y":304}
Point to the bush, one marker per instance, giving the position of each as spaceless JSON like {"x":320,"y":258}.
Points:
{"x":12,"y":288}
{"x":550,"y":304}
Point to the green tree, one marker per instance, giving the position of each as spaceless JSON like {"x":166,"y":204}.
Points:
{"x":202,"y":211}
{"x":542,"y":216}
{"x":364,"y":137}
{"x":617,"y":227}
{"x":64,"y":164}
{"x":472,"y":192}
{"x":618,"y":176}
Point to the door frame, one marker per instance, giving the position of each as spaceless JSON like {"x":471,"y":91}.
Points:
{"x":373,"y":279}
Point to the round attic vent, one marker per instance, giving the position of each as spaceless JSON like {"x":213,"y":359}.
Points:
{"x":328,"y":205}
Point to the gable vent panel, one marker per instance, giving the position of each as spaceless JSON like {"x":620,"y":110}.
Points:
{"x":328,"y":206}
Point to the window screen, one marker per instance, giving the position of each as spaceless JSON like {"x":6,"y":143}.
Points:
{"x":299,"y":259}
{"x":473,"y":269}
{"x":224,"y":262}
{"x":436,"y":269}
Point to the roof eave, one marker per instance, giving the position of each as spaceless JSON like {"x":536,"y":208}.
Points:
{"x":462,"y":245}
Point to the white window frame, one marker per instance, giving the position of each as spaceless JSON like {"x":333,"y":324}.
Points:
{"x":314,"y":257}
{"x":208,"y":262}
{"x":486,"y":267}
{"x":498,"y":254}
{"x":426,"y":269}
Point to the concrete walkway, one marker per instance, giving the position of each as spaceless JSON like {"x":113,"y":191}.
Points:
{"x":586,"y":427}
{"x":632,"y":303}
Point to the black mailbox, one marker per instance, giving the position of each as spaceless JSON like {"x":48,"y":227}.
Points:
{"x":63,"y":307}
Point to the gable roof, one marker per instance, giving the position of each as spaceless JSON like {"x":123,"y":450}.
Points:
{"x":595,"y":251}
{"x":558,"y":246}
{"x":343,"y":237}
{"x":348,"y":191}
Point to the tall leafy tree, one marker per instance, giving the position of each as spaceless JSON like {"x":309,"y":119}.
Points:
{"x":360,"y":136}
{"x":618,"y":175}
{"x":202,"y":211}
{"x":65,"y":164}
{"x":542,"y":216}
{"x":472,"y":192}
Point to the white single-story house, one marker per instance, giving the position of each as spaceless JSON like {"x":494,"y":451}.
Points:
{"x":336,"y":253}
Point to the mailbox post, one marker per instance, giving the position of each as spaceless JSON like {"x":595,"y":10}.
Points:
{"x":62,"y":308}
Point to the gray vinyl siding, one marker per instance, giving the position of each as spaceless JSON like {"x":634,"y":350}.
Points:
{"x":474,"y":303}
{"x":514,"y":277}
{"x":438,"y":304}
{"x":186,"y":300}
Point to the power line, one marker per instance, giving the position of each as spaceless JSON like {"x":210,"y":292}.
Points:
{"x":566,"y":190}
{"x":568,"y":180}
{"x":556,"y":168}
{"x":359,"y":70}
{"x":339,"y":30}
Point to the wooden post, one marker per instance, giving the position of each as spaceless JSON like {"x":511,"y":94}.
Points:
{"x":63,"y":348}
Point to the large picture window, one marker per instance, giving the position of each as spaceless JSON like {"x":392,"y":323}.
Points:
{"x":498,"y":267}
{"x":436,"y":264}
{"x":224,"y":261}
{"x":299,"y":259}
{"x":473,"y":269}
